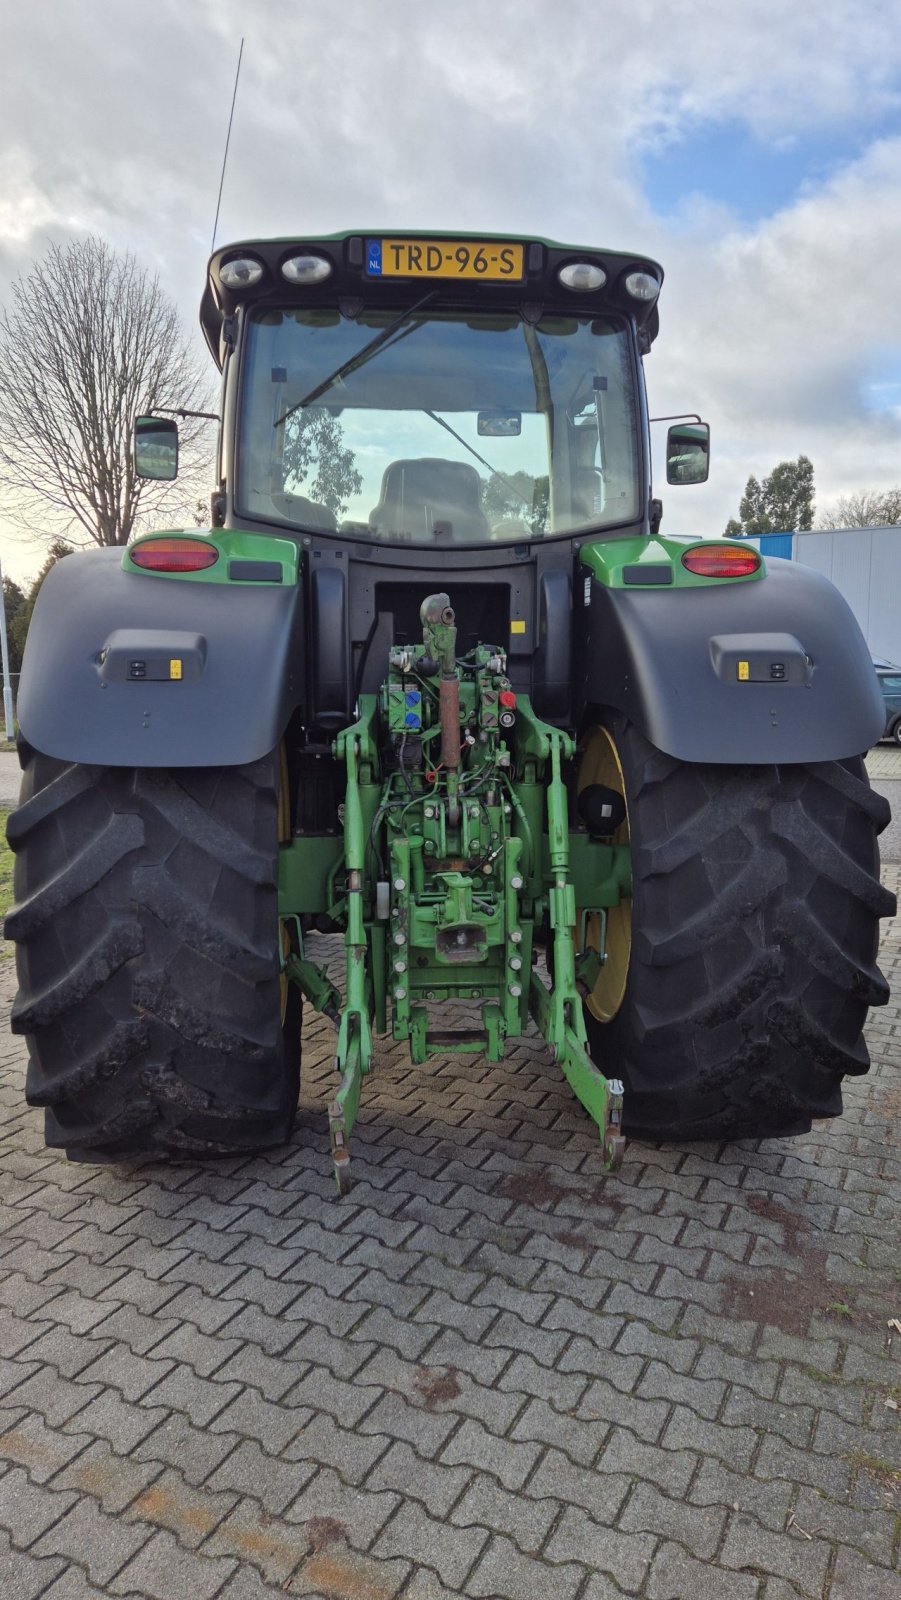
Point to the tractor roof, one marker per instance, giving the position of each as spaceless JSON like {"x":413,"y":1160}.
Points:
{"x":356,"y":268}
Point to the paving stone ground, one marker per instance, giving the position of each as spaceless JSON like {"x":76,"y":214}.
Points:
{"x":488,"y":1372}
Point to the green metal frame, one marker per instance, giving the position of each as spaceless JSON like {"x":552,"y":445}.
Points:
{"x":233,"y":544}
{"x":446,"y":871}
{"x":558,"y":1012}
{"x":606,"y":559}
{"x":358,"y":750}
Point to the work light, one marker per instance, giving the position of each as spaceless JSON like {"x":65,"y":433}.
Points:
{"x":582,"y":276}
{"x":242,"y":272}
{"x":306,"y":269}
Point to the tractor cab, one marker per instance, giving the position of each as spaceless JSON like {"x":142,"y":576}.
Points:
{"x":439,"y":392}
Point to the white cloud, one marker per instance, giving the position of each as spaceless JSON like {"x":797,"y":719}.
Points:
{"x":773,"y":332}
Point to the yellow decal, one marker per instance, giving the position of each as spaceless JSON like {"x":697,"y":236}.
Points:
{"x":744,"y":671}
{"x":175,"y":669}
{"x":517,"y":627}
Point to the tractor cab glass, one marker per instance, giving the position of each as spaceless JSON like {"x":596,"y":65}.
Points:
{"x":156,"y":448}
{"x":440,"y":427}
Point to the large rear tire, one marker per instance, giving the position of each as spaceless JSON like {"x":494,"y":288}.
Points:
{"x":147,"y":931}
{"x":754,"y":931}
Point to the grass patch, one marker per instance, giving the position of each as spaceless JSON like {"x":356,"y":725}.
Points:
{"x":885,"y":1471}
{"x":819,"y":1376}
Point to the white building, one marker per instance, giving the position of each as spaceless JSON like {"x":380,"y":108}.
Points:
{"x":865,"y":566}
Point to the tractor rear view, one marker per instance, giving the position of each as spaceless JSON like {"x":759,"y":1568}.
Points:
{"x":434,"y":679}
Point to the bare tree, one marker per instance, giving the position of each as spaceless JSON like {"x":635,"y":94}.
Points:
{"x":872,"y":508}
{"x":89,"y":342}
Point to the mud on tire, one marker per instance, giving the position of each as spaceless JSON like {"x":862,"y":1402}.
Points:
{"x":756,"y":907}
{"x":148,"y":958}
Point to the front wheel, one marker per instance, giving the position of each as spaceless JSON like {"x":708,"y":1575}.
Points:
{"x":146,"y":921}
{"x":753,"y":933}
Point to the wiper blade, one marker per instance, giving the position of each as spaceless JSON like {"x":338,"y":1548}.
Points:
{"x":485,"y":463}
{"x":362,"y":356}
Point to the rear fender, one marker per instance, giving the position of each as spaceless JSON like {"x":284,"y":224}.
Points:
{"x":137,"y":670}
{"x":697,"y":668}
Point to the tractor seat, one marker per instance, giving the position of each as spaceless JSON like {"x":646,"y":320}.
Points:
{"x":430,"y":497}
{"x":308,"y":513}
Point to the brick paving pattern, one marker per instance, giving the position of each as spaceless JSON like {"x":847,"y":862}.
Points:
{"x":884,"y":761}
{"x":488,"y":1372}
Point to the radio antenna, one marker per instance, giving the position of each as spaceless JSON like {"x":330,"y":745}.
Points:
{"x":227,"y":138}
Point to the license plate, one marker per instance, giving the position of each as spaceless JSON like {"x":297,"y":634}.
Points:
{"x":445,"y":258}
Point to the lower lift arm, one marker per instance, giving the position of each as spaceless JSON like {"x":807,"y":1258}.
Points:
{"x":558,"y":1012}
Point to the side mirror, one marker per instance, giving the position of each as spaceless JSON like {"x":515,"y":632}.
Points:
{"x":688,"y":452}
{"x":156,"y":448}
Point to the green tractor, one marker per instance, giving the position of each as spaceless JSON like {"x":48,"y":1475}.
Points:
{"x":434,"y":679}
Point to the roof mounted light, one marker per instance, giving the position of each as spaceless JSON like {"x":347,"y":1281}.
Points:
{"x":721,"y":561}
{"x":583,"y":276}
{"x":242,"y":272}
{"x":174,"y":555}
{"x":642,"y":286}
{"x":306,"y":269}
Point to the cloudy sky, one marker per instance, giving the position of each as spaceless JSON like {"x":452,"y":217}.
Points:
{"x":753,"y":149}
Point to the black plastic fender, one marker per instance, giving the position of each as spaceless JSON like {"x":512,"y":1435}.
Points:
{"x":775,"y":670}
{"x":133,"y":670}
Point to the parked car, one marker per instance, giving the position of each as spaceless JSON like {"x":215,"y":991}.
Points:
{"x":889,"y":677}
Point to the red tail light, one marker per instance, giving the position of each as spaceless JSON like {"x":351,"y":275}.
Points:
{"x":174,"y":555}
{"x":721,"y":561}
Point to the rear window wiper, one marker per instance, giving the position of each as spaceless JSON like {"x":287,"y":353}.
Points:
{"x":485,"y":463}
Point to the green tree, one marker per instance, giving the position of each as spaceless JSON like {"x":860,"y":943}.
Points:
{"x":13,"y":603}
{"x":19,"y":624}
{"x":508,"y":495}
{"x":871,"y":508}
{"x":517,"y":495}
{"x":315,"y":450}
{"x":782,"y":503}
{"x":753,"y":509}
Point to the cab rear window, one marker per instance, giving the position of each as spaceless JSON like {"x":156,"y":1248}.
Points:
{"x":441,"y":427}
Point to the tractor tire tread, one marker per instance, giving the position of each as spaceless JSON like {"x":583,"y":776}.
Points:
{"x":148,"y":958}
{"x":756,"y":904}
